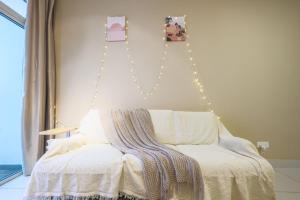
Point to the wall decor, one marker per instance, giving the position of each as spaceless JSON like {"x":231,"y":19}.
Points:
{"x":115,"y":29}
{"x":175,"y":28}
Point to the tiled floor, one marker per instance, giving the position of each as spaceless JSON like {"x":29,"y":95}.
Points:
{"x":287,"y":187}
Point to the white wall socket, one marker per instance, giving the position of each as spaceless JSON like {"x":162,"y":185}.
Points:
{"x":263,"y":145}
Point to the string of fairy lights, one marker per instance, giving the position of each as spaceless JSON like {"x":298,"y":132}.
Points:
{"x":133,"y":70}
{"x":144,"y":93}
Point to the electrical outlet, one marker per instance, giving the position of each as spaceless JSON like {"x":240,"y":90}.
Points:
{"x":263,"y":145}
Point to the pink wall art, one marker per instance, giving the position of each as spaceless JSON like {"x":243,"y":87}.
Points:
{"x":115,"y":29}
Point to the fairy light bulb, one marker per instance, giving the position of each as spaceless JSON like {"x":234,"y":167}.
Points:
{"x":195,"y":72}
{"x":204,"y":97}
{"x":191,"y":58}
{"x":187,"y":44}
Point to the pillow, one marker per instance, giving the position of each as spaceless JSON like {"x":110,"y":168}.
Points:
{"x":163,"y":123}
{"x":195,"y":127}
{"x":91,"y":127}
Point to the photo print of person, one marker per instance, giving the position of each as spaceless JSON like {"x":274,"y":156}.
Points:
{"x":175,"y":29}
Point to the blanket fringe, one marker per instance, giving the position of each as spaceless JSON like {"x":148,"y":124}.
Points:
{"x":122,"y":196}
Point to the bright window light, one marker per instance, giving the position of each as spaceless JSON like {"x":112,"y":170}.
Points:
{"x":17,"y":5}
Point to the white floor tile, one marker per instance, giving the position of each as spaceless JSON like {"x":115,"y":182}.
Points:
{"x":285,"y":184}
{"x":287,"y":196}
{"x":17,"y":183}
{"x":293,"y":173}
{"x":11,"y":194}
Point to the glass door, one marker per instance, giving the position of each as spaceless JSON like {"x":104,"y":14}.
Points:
{"x":12,"y":40}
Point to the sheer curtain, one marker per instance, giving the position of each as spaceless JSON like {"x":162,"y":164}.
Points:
{"x":39,"y":80}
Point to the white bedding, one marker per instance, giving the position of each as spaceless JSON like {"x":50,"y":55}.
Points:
{"x":96,"y":169}
{"x":85,"y":170}
{"x":83,"y":167}
{"x":227,"y":175}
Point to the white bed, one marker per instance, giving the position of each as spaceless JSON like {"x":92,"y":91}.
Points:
{"x":78,"y":167}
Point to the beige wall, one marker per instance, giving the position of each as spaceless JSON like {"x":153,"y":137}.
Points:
{"x":247,"y":53}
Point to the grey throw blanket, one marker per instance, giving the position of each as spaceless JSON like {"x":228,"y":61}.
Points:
{"x":165,"y":170}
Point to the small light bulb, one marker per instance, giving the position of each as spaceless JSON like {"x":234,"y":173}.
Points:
{"x":127,"y":49}
{"x":196,"y":80}
{"x":190,"y":51}
{"x":102,"y":61}
{"x":191,"y":58}
{"x":194,"y":64}
{"x":104,"y":54}
{"x":164,"y":38}
{"x":165,"y":52}
{"x":201,"y":90}
{"x":131,"y":70}
{"x":187,"y":44}
{"x":195,"y":72}
{"x":162,"y":67}
{"x":105,"y":47}
{"x":132,"y":62}
{"x":218,"y":117}
{"x":204,"y":97}
{"x":166,"y":45}
{"x":102,"y":68}
{"x":209,"y":103}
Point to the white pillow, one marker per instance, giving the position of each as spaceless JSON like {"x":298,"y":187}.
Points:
{"x":91,"y":127}
{"x":195,"y":127}
{"x":163,"y":123}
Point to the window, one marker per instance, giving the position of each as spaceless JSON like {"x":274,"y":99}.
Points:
{"x":12,"y":41}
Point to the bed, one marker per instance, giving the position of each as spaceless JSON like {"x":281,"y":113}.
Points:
{"x":87,"y":166}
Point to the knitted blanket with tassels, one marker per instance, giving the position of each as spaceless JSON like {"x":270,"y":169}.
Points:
{"x":165,"y":170}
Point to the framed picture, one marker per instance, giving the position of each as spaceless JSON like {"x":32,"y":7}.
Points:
{"x":115,"y":29}
{"x":175,"y":29}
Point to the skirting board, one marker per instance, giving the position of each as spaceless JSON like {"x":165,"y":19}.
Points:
{"x":285,"y":163}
